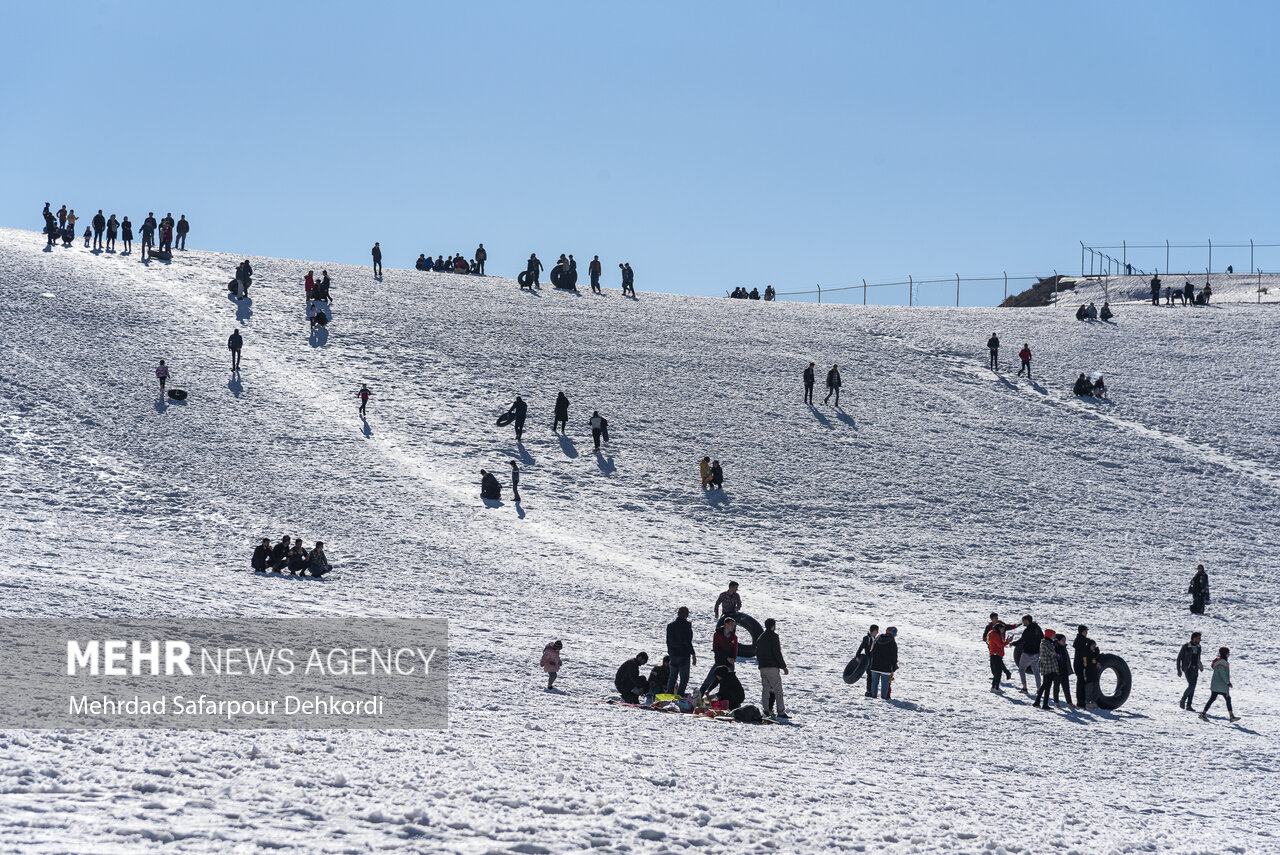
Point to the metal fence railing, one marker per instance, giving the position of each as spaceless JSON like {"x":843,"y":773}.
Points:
{"x":913,"y":287}
{"x":1101,"y":262}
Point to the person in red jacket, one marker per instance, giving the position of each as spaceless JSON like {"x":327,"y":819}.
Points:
{"x":997,"y":638}
{"x":724,"y":648}
{"x":309,"y":283}
{"x":1025,"y":356}
{"x":364,"y":394}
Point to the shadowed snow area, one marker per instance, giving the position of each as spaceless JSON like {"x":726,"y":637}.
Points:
{"x":938,"y":493}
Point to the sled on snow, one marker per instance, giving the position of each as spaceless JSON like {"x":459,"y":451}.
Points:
{"x":160,"y":254}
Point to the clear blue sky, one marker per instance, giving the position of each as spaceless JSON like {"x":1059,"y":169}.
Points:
{"x":708,"y":144}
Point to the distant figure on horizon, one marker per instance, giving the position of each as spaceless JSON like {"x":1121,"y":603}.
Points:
{"x":377,"y":258}
{"x":1155,"y":289}
{"x":481,"y":257}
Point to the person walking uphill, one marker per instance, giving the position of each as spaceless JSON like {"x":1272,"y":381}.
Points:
{"x":515,"y":482}
{"x":1199,"y":590}
{"x":884,"y":661}
{"x":599,"y":428}
{"x":364,"y":395}
{"x":993,"y":348}
{"x":680,"y":649}
{"x":769,"y":658}
{"x":561,"y":420}
{"x":1025,"y":356}
{"x":377,"y":258}
{"x":1220,"y":685}
{"x":520,"y":410}
{"x":833,"y":384}
{"x":551,"y":661}
{"x":594,"y":270}
{"x":234,"y":343}
{"x":1189,"y":665}
{"x":808,"y":384}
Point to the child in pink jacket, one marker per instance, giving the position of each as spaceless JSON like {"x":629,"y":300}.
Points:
{"x":551,"y":661}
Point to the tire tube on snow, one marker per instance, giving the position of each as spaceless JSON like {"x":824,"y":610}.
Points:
{"x":1124,"y":682}
{"x":524,"y":279}
{"x":856,"y":669}
{"x":557,"y":274}
{"x":747,"y":622}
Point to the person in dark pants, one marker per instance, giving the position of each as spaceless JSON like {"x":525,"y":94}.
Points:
{"x":99,"y":226}
{"x":1025,"y":356}
{"x":864,"y":649}
{"x":884,"y":661}
{"x":562,"y":413}
{"x":377,"y":258}
{"x":261,"y":556}
{"x":1199,"y":590}
{"x":280,"y":555}
{"x":1220,"y":684}
{"x":234,"y":343}
{"x":1064,"y":670}
{"x":594,"y":270}
{"x":1080,"y":647}
{"x":992,"y":624}
{"x":482,"y":255}
{"x":628,"y":681}
{"x":1155,"y":290}
{"x":162,"y":374}
{"x":182,"y":227}
{"x":533,"y":268}
{"x":364,"y":394}
{"x":727,"y":687}
{"x":680,"y":649}
{"x":808,"y":384}
{"x":1190,"y":666}
{"x":113,"y":228}
{"x":833,"y":384}
{"x":489,"y":486}
{"x":1048,"y":669}
{"x":126,"y":234}
{"x":996,"y":641}
{"x":515,"y":482}
{"x":993,"y":348}
{"x":521,"y":410}
{"x":598,"y":427}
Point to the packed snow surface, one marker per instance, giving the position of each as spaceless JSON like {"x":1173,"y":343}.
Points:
{"x":938,"y":492}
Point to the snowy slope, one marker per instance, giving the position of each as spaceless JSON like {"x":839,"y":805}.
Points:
{"x":938,"y":493}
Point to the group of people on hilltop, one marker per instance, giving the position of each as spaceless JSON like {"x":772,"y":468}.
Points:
{"x":1091,"y":312}
{"x":101,"y":231}
{"x":292,"y":558}
{"x":741,"y":293}
{"x":1186,"y":295}
{"x":457,"y":264}
{"x":1044,"y":654}
{"x":834,"y":382}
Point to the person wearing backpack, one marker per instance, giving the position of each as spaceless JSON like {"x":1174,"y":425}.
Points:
{"x":1189,"y":665}
{"x":1220,"y":685}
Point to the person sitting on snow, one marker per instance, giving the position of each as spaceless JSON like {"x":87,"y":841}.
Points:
{"x":1106,"y":314}
{"x":1092,"y":312}
{"x":1099,"y":388}
{"x":422,"y":263}
{"x":1080,"y":313}
{"x":489,"y":486}
{"x":628,"y":681}
{"x":1083,"y":387}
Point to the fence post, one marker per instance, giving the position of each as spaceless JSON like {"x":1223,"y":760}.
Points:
{"x":1006,"y":276}
{"x":819,"y":293}
{"x":957,"y":290}
{"x":1166,"y":258}
{"x":1259,"y":282}
{"x":910,"y":289}
{"x":1125,"y":255}
{"x":1251,"y":256}
{"x":1055,"y":286}
{"x":1210,"y":268}
{"x":864,"y":292}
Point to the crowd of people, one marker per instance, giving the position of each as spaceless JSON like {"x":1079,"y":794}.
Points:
{"x":294,"y":559}
{"x":741,"y":293}
{"x":1044,"y":655}
{"x":1185,"y":295}
{"x":457,"y":264}
{"x":102,"y":232}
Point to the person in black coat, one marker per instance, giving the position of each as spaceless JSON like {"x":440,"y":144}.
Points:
{"x":280,"y":555}
{"x":99,"y":226}
{"x":727,"y":687}
{"x":489,"y":486}
{"x":1079,"y":647}
{"x":769,"y":658}
{"x":515,"y":482}
{"x":717,"y":475}
{"x":377,"y":258}
{"x":659,"y":677}
{"x":1190,"y":666}
{"x":1199,"y":590}
{"x":562,"y":413}
{"x":864,"y":649}
{"x":884,"y":661}
{"x":521,"y":410}
{"x":628,"y":681}
{"x":993,"y":348}
{"x":808,"y":384}
{"x":126,"y":234}
{"x":298,"y":558}
{"x":261,"y":556}
{"x":680,"y":649}
{"x":234,"y":343}
{"x":833,"y":384}
{"x":1155,"y":290}
{"x":181,"y":228}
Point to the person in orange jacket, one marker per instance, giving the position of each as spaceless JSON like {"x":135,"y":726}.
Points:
{"x":1025,"y":356}
{"x":997,"y":638}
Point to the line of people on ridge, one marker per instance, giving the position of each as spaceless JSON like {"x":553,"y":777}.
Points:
{"x":1091,"y":313}
{"x":292,"y":558}
{"x":457,"y":264}
{"x":1186,"y":295}
{"x":741,"y":293}
{"x":102,"y":230}
{"x":564,"y":274}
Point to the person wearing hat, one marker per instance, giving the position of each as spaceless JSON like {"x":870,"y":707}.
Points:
{"x":1220,"y":685}
{"x":884,"y":661}
{"x":1048,"y":669}
{"x":551,"y":661}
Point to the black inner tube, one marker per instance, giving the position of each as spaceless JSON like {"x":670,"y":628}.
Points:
{"x":753,"y":628}
{"x":856,"y":669}
{"x":1124,"y":682}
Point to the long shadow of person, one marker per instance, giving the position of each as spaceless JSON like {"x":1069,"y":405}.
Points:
{"x":846,"y":419}
{"x":234,"y":384}
{"x":566,"y":445}
{"x":817,"y":414}
{"x":605,"y":463}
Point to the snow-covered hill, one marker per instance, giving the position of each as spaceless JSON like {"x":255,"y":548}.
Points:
{"x":938,"y":493}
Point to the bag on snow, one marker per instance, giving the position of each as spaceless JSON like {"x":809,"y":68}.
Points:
{"x":748,"y":714}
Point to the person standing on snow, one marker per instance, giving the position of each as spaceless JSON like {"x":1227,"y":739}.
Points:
{"x":729,"y":600}
{"x":377,"y":258}
{"x":520,"y":409}
{"x":1025,"y":356}
{"x":562,"y":413}
{"x":993,"y":348}
{"x":1092,"y":669}
{"x":1026,"y":652}
{"x":717,"y":475}
{"x":680,"y":649}
{"x":1155,"y":289}
{"x":769,"y":658}
{"x":1220,"y":685}
{"x":864,"y":649}
{"x":628,"y":681}
{"x":1189,"y":665}
{"x":515,"y":482}
{"x":1079,"y":646}
{"x":533,"y":268}
{"x":997,"y":639}
{"x":181,"y":228}
{"x":1199,"y":590}
{"x":126,"y":234}
{"x":704,"y":469}
{"x":1048,"y":669}
{"x":833,"y":384}
{"x":724,"y":652}
{"x":99,"y":226}
{"x":113,"y":228}
{"x":599,"y":427}
{"x":808,"y":384}
{"x":234,"y":343}
{"x":364,"y":395}
{"x":884,"y":661}
{"x":162,"y":374}
{"x":594,"y":270}
{"x":551,"y":661}
{"x":482,"y":256}
{"x":148,"y":232}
